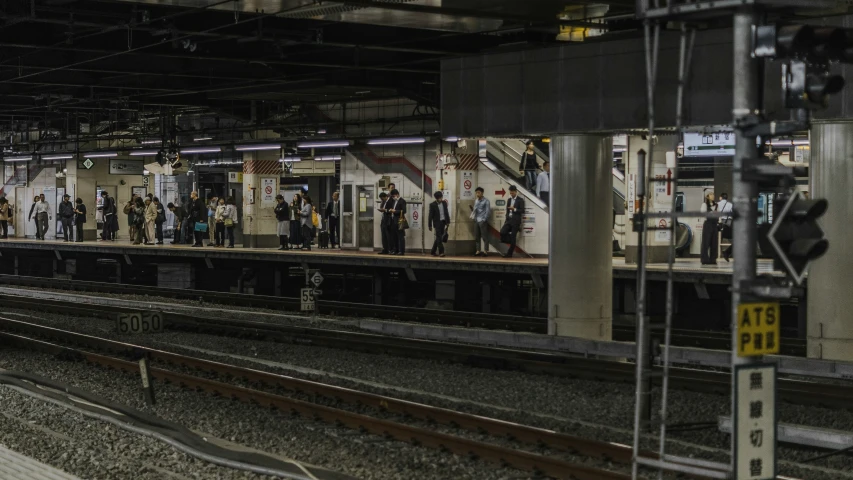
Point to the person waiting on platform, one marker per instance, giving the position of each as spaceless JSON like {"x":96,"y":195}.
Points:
{"x":128,"y":210}
{"x":397,"y":230}
{"x":219,"y":224}
{"x":33,"y":216}
{"x":438,"y":220}
{"x":150,"y":216}
{"x":384,"y":220}
{"x":198,"y":215}
{"x":159,"y":221}
{"x":306,"y":216}
{"x":295,"y":222}
{"x":543,"y":184}
{"x":480,"y":213}
{"x":514,"y":211}
{"x":66,"y":216}
{"x":529,"y":165}
{"x":109,"y":211}
{"x":230,"y":220}
{"x":180,"y":216}
{"x":5,"y":215}
{"x":725,"y":207}
{"x":139,"y":219}
{"x":333,"y":215}
{"x":79,"y":218}
{"x":212,"y":203}
{"x":43,"y":217}
{"x":282,"y":215}
{"x":710,"y":241}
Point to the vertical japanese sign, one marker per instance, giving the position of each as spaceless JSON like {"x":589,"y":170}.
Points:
{"x":755,"y":422}
{"x":268,"y":191}
{"x":467,"y":191}
{"x":632,"y":193}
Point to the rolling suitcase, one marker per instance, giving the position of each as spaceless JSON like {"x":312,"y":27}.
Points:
{"x":323,"y":239}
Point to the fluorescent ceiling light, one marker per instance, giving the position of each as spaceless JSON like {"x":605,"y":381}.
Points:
{"x":451,"y":139}
{"x":801,"y":142}
{"x":201,"y":150}
{"x":396,"y":141}
{"x":56,"y":157}
{"x":100,"y":155}
{"x":150,"y":142}
{"x":321,"y":131}
{"x":290,"y":159}
{"x":140,"y":153}
{"x":18,"y":159}
{"x":201,"y":139}
{"x":324,"y":144}
{"x":620,"y":149}
{"x":249,"y":148}
{"x":327,"y":158}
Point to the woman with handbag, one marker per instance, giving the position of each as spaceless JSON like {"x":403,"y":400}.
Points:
{"x":219,"y":224}
{"x":230,"y":216}
{"x":295,"y":221}
{"x":307,"y":221}
{"x":710,"y":241}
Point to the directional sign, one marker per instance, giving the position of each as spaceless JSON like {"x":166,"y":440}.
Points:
{"x":317,"y":279}
{"x":88,"y":163}
{"x":758,"y":329}
{"x":755,"y":422}
{"x":500,"y":192}
{"x":718,"y":144}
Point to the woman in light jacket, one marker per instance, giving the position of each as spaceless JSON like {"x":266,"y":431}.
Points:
{"x":219,"y":223}
{"x":230,"y":216}
{"x":295,"y":224}
{"x":305,"y":215}
{"x":150,"y":219}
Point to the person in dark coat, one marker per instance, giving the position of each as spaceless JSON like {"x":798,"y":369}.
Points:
{"x":529,"y":165}
{"x":79,"y":218}
{"x":198,"y":214}
{"x":66,"y":216}
{"x":512,"y":225}
{"x":282,"y":215}
{"x":397,"y":207}
{"x":159,"y":221}
{"x":295,"y":222}
{"x":333,"y":218}
{"x":109,"y":215}
{"x":180,"y":218}
{"x":438,"y":221}
{"x":384,"y":220}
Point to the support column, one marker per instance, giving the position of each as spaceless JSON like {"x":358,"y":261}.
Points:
{"x":830,"y":332}
{"x":261,"y":170}
{"x":580,"y":284}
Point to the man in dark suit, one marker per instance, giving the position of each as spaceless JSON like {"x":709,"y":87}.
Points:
{"x":514,"y":211}
{"x":333,"y":218}
{"x":384,"y":221}
{"x":397,"y":207}
{"x":198,"y":214}
{"x":439,"y":219}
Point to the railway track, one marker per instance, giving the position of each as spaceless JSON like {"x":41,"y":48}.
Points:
{"x":51,"y":341}
{"x":625,"y":333}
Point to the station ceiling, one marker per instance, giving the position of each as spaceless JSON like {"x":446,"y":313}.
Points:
{"x":62,"y":60}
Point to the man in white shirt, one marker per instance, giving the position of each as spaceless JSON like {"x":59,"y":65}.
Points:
{"x":543,"y":184}
{"x":725,"y":207}
{"x":42,"y":217}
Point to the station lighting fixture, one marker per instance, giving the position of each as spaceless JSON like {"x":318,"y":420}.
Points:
{"x":327,"y":158}
{"x":100,"y":154}
{"x":201,"y":139}
{"x":251,"y":148}
{"x":188,"y":151}
{"x":144,"y":153}
{"x":620,"y":149}
{"x":18,"y":159}
{"x":396,"y":141}
{"x":290,"y":159}
{"x":321,"y":131}
{"x":324,"y":144}
{"x":151,"y":142}
{"x":57,"y":157}
{"x":452,"y":139}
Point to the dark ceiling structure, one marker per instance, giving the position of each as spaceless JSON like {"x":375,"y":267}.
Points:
{"x":69,"y":62}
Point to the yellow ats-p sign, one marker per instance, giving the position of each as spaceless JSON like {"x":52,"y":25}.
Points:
{"x":758,"y":329}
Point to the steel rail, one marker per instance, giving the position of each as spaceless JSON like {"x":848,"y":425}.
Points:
{"x":428,"y":438}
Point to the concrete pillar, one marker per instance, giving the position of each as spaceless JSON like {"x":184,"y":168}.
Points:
{"x":580,"y":284}
{"x":261,"y":171}
{"x":657,"y":242}
{"x":830,"y":331}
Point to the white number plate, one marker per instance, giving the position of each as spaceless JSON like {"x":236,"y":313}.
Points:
{"x":307,"y":300}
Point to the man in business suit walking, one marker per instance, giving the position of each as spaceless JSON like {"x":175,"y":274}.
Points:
{"x":514,"y":211}
{"x":439,"y":219}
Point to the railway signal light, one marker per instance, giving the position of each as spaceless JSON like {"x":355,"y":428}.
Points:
{"x":795,"y":238}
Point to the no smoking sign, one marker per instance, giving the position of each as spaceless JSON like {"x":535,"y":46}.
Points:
{"x":268,"y":190}
{"x":467,"y":184}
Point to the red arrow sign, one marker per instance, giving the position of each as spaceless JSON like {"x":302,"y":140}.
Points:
{"x":500,"y":192}
{"x":669,"y":182}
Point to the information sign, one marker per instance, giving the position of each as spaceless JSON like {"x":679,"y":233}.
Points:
{"x":268,"y":191}
{"x":755,"y":422}
{"x":317,"y":279}
{"x":307,"y":300}
{"x":467,"y":186}
{"x":758,"y":329}
{"x":720,"y":144}
{"x":139,"y":322}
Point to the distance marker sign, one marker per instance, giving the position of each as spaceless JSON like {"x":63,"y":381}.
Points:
{"x":758,"y":329}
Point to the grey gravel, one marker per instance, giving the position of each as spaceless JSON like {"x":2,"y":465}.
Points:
{"x":585,"y":408}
